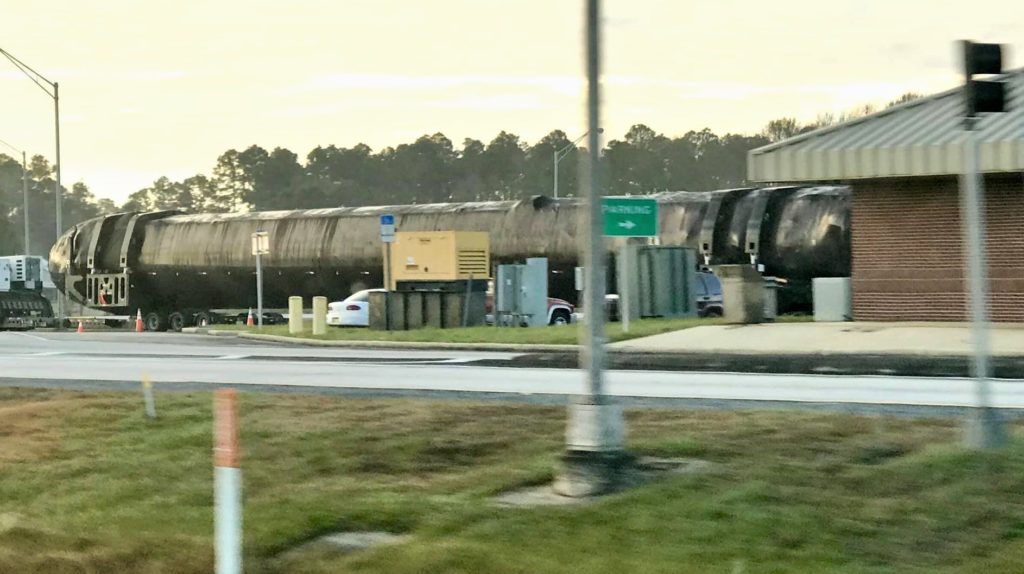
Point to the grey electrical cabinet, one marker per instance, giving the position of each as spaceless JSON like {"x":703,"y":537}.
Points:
{"x":832,"y":299}
{"x":521,"y":294}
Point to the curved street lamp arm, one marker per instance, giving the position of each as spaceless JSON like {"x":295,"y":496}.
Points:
{"x":31,"y":73}
{"x":561,"y":153}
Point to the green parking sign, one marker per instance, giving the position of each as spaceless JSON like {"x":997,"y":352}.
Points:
{"x":629,"y":217}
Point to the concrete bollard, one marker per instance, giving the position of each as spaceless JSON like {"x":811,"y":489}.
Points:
{"x":319,"y":315}
{"x":295,"y":315}
{"x":147,"y":396}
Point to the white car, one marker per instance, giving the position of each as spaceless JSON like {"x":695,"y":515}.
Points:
{"x":354,"y":311}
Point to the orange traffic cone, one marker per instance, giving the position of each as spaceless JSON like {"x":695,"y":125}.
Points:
{"x":81,"y":327}
{"x":138,"y":322}
{"x":248,"y":320}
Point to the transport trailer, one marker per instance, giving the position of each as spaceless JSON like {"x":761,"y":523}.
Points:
{"x":24,"y":310}
{"x":22,"y":304}
{"x":178,"y":269}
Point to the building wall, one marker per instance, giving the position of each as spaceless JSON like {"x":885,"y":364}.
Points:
{"x":908,"y":250}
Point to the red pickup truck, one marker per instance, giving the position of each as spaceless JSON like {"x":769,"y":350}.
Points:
{"x":560,"y":311}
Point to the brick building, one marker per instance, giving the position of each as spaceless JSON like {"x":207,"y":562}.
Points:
{"x":903,"y":165}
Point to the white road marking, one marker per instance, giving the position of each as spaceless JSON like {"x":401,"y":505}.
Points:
{"x":20,"y":334}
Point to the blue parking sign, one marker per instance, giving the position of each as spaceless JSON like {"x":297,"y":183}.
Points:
{"x":387,"y":228}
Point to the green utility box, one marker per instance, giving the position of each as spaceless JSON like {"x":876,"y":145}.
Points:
{"x":657,"y":281}
{"x":404,"y":310}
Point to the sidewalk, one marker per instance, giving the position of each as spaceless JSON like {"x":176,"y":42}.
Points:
{"x":918,"y":339}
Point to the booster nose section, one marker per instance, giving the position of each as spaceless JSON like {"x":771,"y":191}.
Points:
{"x":60,"y":258}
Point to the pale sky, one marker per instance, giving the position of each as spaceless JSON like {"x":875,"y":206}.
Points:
{"x":162,"y":88}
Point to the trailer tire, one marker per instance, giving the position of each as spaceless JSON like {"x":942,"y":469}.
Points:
{"x":155,"y":322}
{"x":203,"y":319}
{"x":176,"y":322}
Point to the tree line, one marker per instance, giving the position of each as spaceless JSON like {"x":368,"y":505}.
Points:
{"x":428,"y":170}
{"x":77,"y":204}
{"x":432,"y":169}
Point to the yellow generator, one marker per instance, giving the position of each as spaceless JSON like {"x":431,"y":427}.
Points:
{"x":440,"y":256}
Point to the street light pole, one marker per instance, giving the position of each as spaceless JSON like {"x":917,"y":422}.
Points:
{"x":559,"y":155}
{"x":24,"y":193}
{"x":594,"y":461}
{"x":56,"y":129}
{"x":24,"y":189}
{"x":53,"y":92}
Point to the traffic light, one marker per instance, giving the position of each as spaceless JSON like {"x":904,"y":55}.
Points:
{"x":983,"y":96}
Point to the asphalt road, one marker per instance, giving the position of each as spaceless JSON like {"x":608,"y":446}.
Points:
{"x":114,"y":360}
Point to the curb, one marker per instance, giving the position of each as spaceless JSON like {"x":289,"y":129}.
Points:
{"x":209,"y":331}
{"x":511,"y":348}
{"x":528,"y":348}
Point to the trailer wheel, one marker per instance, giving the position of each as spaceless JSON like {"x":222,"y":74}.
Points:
{"x":176,"y":322}
{"x":155,"y":322}
{"x":203,"y":319}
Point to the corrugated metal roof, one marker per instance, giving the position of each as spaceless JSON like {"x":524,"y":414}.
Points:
{"x":920,"y":138}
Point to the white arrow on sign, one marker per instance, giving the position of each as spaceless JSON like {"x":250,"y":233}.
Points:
{"x":627,"y":224}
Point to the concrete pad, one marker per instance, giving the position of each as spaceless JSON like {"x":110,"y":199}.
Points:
{"x":355,"y":541}
{"x":817,"y":338}
{"x":640,"y":472}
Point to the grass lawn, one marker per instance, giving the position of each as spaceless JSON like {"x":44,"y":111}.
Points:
{"x":88,"y":485}
{"x":552,"y":335}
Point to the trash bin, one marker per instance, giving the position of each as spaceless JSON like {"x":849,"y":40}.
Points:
{"x":743,"y":293}
{"x":771,"y":298}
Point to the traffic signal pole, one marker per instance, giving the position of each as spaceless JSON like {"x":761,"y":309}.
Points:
{"x":984,"y":427}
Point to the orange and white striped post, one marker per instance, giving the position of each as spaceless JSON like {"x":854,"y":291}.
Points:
{"x":227,"y":488}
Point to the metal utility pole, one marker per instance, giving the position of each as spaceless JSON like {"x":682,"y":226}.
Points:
{"x":56,"y":167}
{"x":555,"y":190}
{"x":594,"y":460}
{"x":984,"y":427}
{"x":52,"y":90}
{"x":24,"y":192}
{"x":593,"y":254}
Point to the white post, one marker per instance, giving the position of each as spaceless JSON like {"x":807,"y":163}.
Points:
{"x":259,"y":289}
{"x":227,"y":484}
